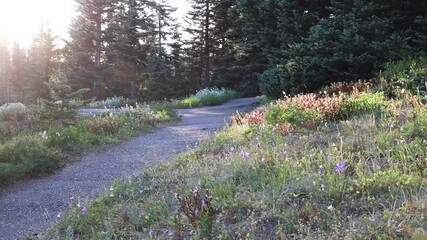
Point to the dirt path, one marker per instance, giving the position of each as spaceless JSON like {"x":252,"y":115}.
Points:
{"x":30,"y":208}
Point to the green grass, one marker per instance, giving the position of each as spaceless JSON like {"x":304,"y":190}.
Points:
{"x":45,"y":148}
{"x":364,"y":177}
{"x":207,"y":97}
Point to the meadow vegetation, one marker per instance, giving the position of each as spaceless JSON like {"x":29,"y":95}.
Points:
{"x":32,"y":145}
{"x":348,"y":163}
{"x":206,"y":97}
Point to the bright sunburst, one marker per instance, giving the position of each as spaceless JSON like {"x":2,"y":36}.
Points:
{"x":21,"y":19}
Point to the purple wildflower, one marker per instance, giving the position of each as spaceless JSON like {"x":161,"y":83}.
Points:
{"x":246,"y":155}
{"x":328,"y":159}
{"x":204,"y":204}
{"x":321,"y":170}
{"x":277,"y":154}
{"x":196,"y":212}
{"x":340,"y":167}
{"x":84,"y":211}
{"x":263,"y":160}
{"x":170,"y":233}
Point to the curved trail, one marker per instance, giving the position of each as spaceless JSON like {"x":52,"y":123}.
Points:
{"x":31,"y":207}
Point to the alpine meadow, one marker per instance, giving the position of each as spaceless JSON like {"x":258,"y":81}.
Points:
{"x":281,"y":119}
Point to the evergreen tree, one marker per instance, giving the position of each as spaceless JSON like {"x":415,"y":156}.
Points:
{"x":182,"y":85}
{"x":17,"y":92}
{"x":63,"y":101}
{"x":42,"y":60}
{"x":4,"y":71}
{"x":88,"y":41}
{"x":200,"y":46}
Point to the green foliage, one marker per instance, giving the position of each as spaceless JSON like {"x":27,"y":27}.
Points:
{"x":363,"y":172}
{"x":26,"y":156}
{"x":293,"y":114}
{"x":405,"y":76}
{"x":72,"y":139}
{"x":371,"y":103}
{"x":63,"y":102}
{"x":113,"y":102}
{"x":207,"y":97}
{"x":323,"y":42}
{"x":417,"y":128}
{"x":189,"y":102}
{"x":271,"y":82}
{"x":13,"y":112}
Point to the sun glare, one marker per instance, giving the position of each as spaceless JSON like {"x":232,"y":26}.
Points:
{"x":21,"y":19}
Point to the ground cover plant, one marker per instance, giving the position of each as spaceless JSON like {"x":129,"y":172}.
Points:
{"x":311,"y":166}
{"x":113,"y":102}
{"x":41,"y":146}
{"x":207,"y":97}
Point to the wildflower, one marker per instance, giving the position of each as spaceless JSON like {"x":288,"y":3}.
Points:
{"x":111,"y":194}
{"x":196,"y":212}
{"x":328,"y":159}
{"x":191,"y":233}
{"x":59,"y":215}
{"x":340,"y":167}
{"x":321,"y":152}
{"x":321,"y":170}
{"x":163,"y":198}
{"x":246,"y":154}
{"x":204,"y":204}
{"x":231,"y":149}
{"x":331,"y":208}
{"x":170,"y":233}
{"x":277,"y":154}
{"x":111,"y":188}
{"x":58,"y":134}
{"x":84,"y":211}
{"x":263,"y":160}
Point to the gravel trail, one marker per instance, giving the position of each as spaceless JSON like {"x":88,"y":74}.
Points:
{"x":31,"y":207}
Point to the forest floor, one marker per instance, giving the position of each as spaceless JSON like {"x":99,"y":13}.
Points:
{"x":31,"y":207}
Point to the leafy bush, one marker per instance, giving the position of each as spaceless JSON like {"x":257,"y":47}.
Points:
{"x":407,"y":75}
{"x":189,"y":102}
{"x":13,"y":112}
{"x":215,"y":96}
{"x":25,"y":156}
{"x":374,"y":103}
{"x":72,"y":139}
{"x":207,"y":97}
{"x":293,"y":114}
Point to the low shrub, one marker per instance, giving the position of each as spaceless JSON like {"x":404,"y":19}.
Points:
{"x":113,"y":102}
{"x":104,"y":125}
{"x":207,"y":97}
{"x":189,"y":102}
{"x":367,"y":102}
{"x":72,"y":139}
{"x":13,"y":112}
{"x":26,"y":156}
{"x":405,"y":76}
